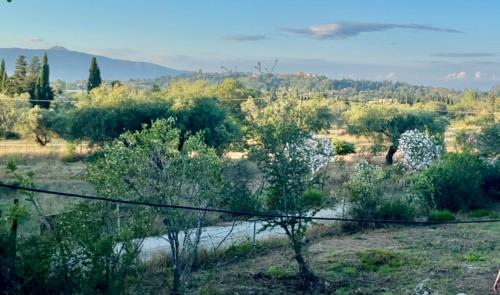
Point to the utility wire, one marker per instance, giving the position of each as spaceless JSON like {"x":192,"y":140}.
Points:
{"x":241,"y":213}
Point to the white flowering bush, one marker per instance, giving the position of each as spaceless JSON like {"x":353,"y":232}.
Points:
{"x":418,"y":150}
{"x":316,"y":150}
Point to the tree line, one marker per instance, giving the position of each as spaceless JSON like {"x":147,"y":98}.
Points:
{"x":34,"y":79}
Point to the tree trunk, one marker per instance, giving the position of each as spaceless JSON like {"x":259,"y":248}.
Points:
{"x":390,"y":154}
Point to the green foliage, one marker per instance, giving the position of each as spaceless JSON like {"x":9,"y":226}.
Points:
{"x":385,"y":124}
{"x":3,"y":76}
{"x":18,"y":82}
{"x":365,"y":190}
{"x":488,"y":141}
{"x":343,"y":147}
{"x":106,"y":112}
{"x":480,"y":213}
{"x":441,"y":215}
{"x":69,"y":154}
{"x":148,"y":165}
{"x":474,"y":257}
{"x":374,"y":193}
{"x":454,"y":183}
{"x":396,"y":209}
{"x":43,"y":93}
{"x":94,"y":80}
{"x":383,"y":261}
{"x":34,"y":124}
{"x":10,"y":111}
{"x":207,"y":117}
{"x":238,"y":194}
{"x":280,"y":272}
{"x":287,"y":172}
{"x":84,"y":252}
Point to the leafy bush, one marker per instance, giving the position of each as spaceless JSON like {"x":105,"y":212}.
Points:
{"x":396,"y":209}
{"x":365,"y":190}
{"x":373,"y":194}
{"x":343,"y":147}
{"x":454,"y":183}
{"x":69,"y":154}
{"x":441,"y":215}
{"x":479,"y":213}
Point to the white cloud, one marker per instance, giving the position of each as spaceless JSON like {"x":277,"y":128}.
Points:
{"x":456,"y":76}
{"x":342,"y":30}
{"x":477,"y":76}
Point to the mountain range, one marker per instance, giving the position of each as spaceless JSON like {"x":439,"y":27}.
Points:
{"x":71,"y":65}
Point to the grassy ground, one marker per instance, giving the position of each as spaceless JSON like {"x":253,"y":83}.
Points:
{"x":49,"y":173}
{"x":448,"y":259}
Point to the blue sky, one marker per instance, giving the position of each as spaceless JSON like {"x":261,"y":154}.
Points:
{"x":443,"y":43}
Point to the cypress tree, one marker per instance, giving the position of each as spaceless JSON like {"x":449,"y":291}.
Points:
{"x":32,"y":78}
{"x":43,"y":92}
{"x":5,"y":82}
{"x":2,"y":75}
{"x":18,"y":83}
{"x":94,"y":75}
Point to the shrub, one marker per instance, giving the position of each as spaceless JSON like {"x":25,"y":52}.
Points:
{"x":396,"y":209}
{"x":478,"y":213}
{"x":454,"y":183}
{"x":373,"y":194}
{"x":365,"y":191}
{"x":418,"y":150}
{"x":441,"y":215}
{"x":69,"y":154}
{"x":343,"y":147}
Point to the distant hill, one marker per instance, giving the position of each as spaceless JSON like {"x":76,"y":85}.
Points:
{"x":72,"y":65}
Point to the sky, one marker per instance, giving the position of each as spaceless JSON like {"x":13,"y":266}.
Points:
{"x":441,"y":43}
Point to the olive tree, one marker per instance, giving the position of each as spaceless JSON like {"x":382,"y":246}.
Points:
{"x":34,"y":124}
{"x":148,"y":166}
{"x":385,"y":124}
{"x":291,"y":159}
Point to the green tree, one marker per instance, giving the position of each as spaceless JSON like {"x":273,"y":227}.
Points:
{"x":32,"y":77}
{"x":233,"y":93}
{"x":385,"y":124}
{"x":147,"y":165}
{"x":43,"y":92}
{"x":3,"y":76}
{"x":282,"y":138}
{"x":18,"y":81}
{"x":94,"y":75}
{"x":33,"y":124}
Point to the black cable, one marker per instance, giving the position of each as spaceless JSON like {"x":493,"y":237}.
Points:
{"x":242,"y":213}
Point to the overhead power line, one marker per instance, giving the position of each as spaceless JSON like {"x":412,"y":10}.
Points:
{"x":241,"y":213}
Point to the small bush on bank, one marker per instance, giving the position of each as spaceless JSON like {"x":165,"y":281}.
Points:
{"x":441,"y":215}
{"x":69,"y":154}
{"x":454,"y":183}
{"x":396,"y":209}
{"x":479,"y":213}
{"x":376,"y":193}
